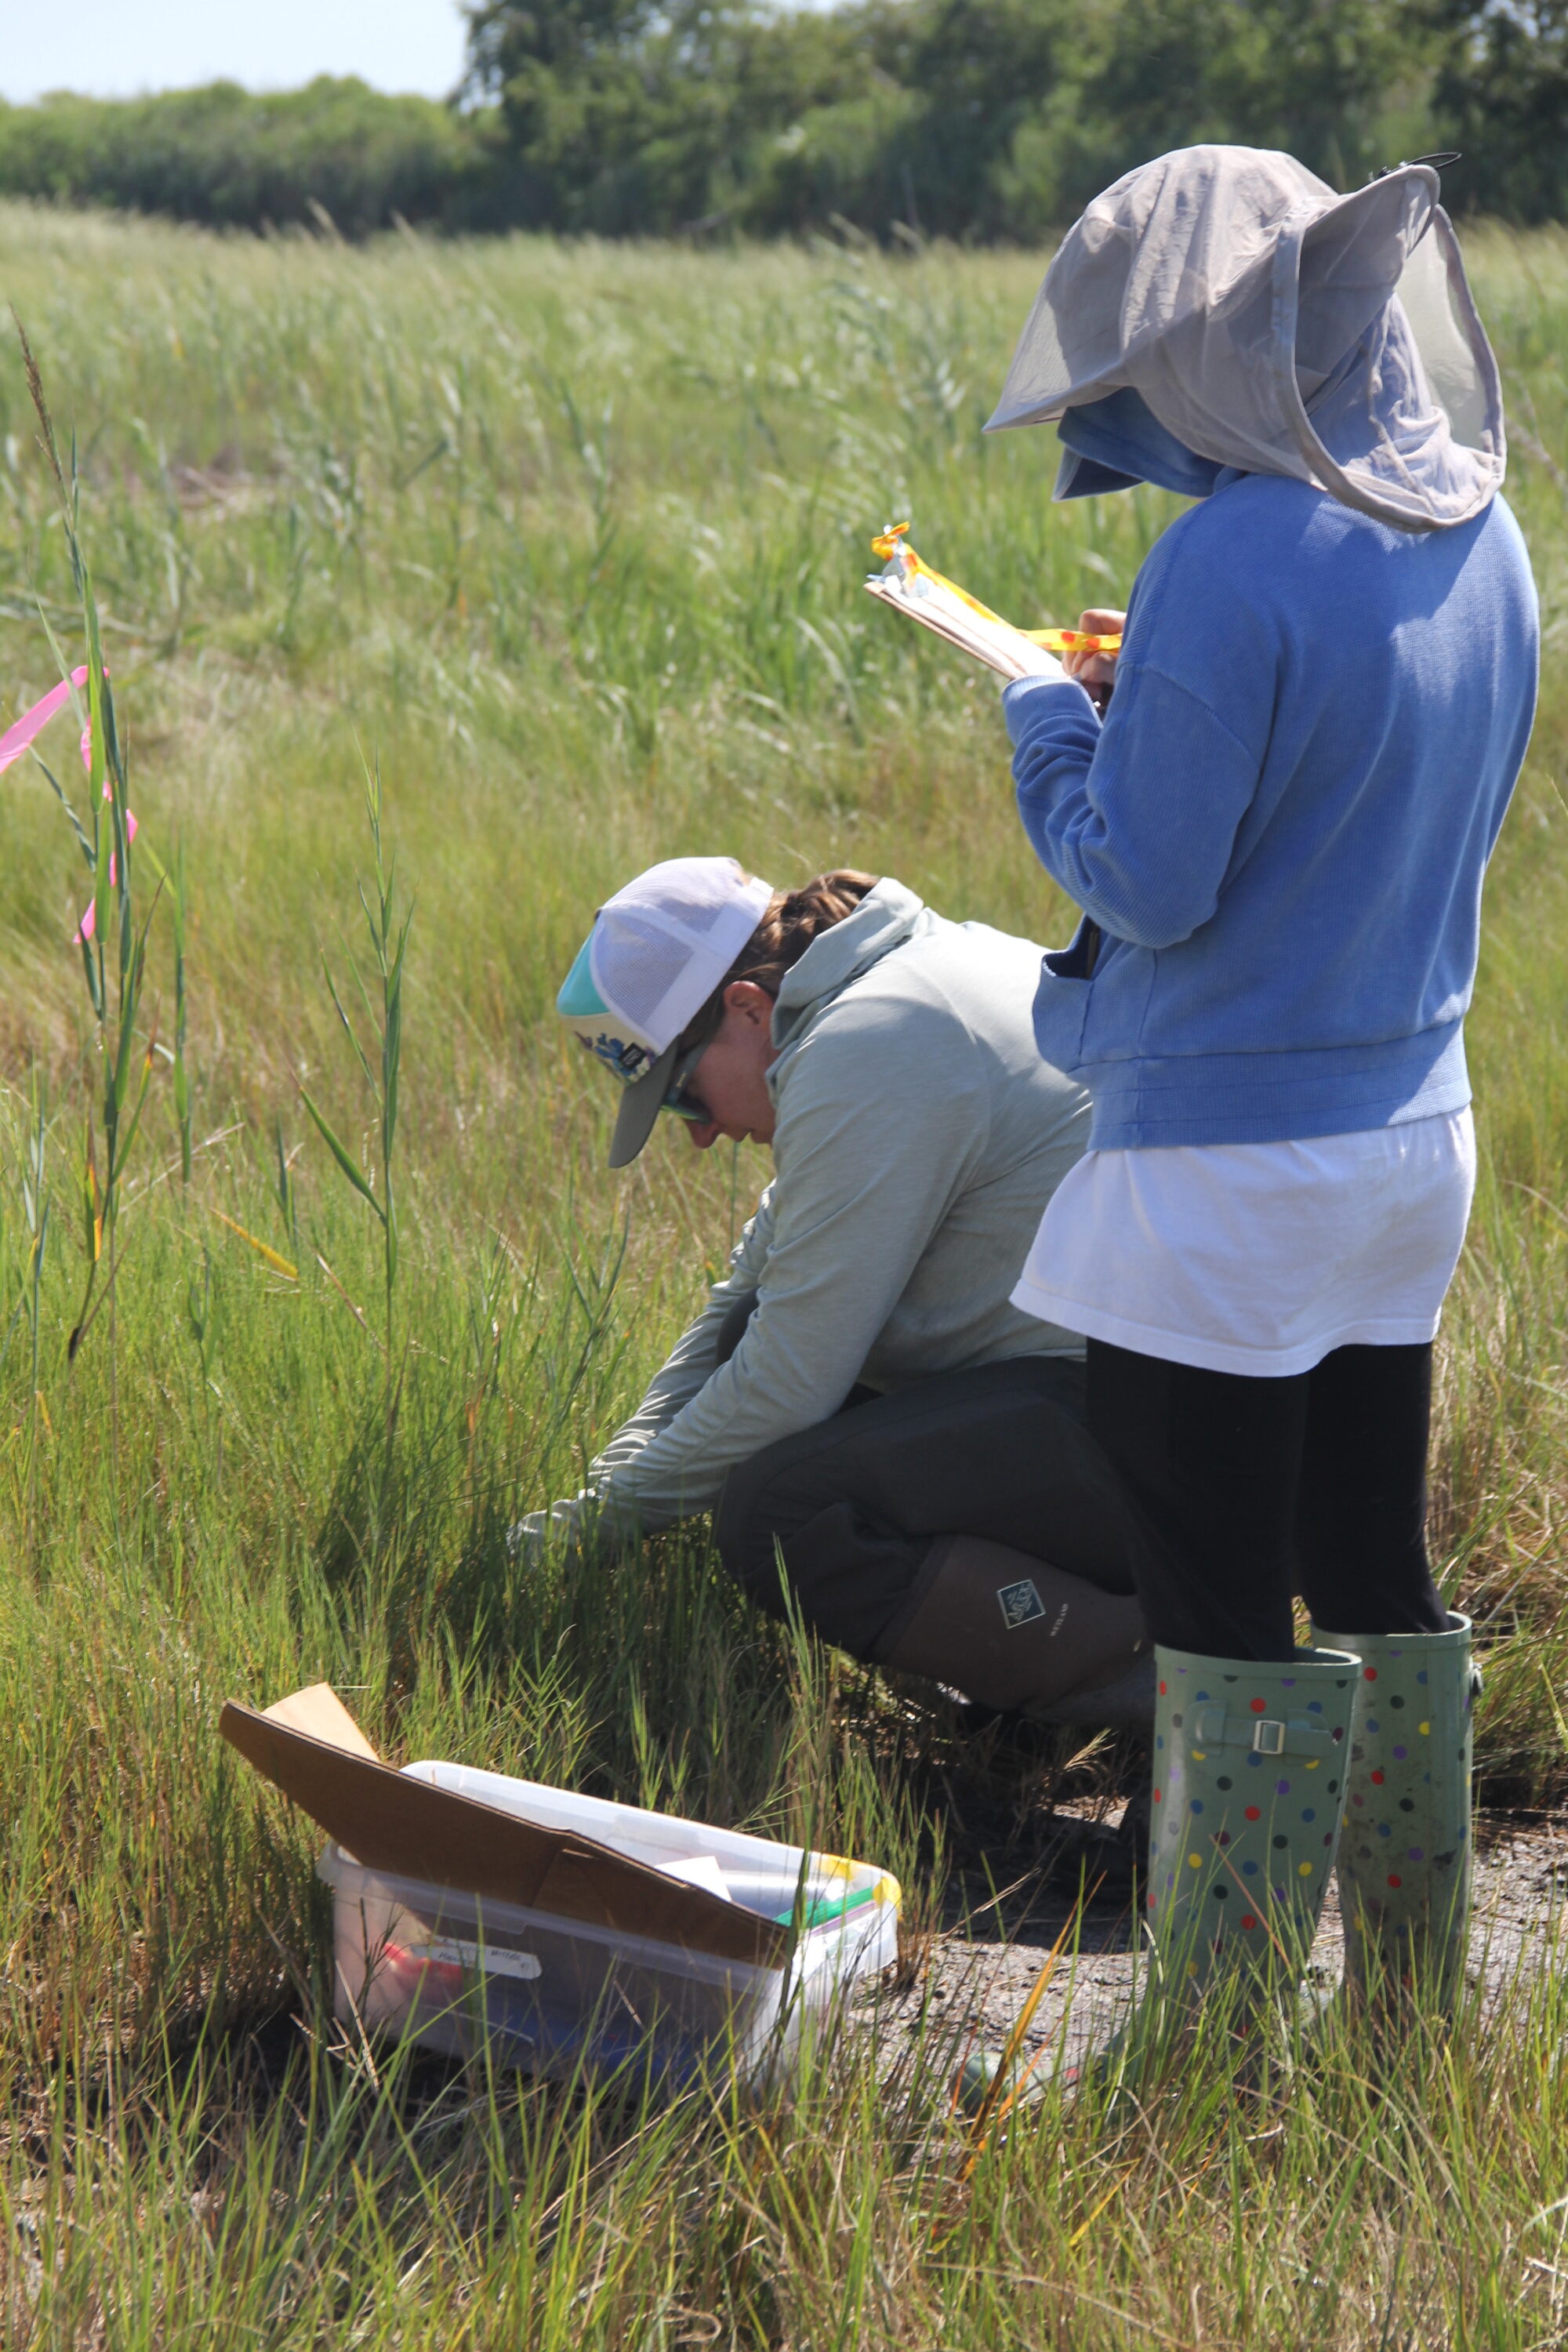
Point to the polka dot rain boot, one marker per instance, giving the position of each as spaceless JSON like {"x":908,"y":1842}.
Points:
{"x":1404,"y":1855}
{"x":1248,"y":1794}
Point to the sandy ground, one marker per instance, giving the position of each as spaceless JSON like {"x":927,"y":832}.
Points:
{"x":974,"y":1976}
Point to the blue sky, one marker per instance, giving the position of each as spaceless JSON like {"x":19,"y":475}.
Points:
{"x":112,"y":48}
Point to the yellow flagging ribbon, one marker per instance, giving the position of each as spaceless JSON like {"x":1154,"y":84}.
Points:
{"x":893,"y":546}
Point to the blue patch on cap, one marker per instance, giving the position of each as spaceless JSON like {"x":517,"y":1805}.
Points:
{"x":580,"y":1003}
{"x":579,"y":999}
{"x":627,"y":1061}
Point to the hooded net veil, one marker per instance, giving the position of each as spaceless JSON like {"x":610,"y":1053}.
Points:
{"x":1266,"y":323}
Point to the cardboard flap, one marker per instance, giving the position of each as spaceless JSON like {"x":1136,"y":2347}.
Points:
{"x":388,"y":1821}
{"x":320,"y":1713}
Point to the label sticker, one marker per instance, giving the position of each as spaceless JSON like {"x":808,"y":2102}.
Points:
{"x":1020,"y":1604}
{"x":493,"y":1957}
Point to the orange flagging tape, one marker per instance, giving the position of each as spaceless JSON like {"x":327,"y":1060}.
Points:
{"x":893,"y":546}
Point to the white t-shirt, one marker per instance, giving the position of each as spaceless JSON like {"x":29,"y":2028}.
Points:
{"x":1257,"y":1257}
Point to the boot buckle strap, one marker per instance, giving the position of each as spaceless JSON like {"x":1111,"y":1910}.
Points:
{"x":1264,"y":1735}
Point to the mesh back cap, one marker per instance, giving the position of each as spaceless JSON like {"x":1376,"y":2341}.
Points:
{"x":658,"y":950}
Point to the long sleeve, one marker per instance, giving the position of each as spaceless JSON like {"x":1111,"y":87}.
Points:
{"x":1138,"y":820}
{"x":620,"y":1503}
{"x":864,"y":1179}
{"x":618,"y":1482}
{"x":1280,"y":832}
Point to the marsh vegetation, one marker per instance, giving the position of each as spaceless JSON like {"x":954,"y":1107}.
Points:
{"x":565,"y":542}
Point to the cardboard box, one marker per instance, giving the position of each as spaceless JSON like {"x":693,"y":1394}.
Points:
{"x":471,"y":1907}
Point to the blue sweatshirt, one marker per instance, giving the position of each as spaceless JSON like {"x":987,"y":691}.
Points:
{"x":1281,"y":831}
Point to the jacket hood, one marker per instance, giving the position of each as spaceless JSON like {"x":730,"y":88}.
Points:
{"x":888,"y":915}
{"x":1114,"y":442}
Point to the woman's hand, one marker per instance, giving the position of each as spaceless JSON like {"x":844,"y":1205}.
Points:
{"x":1096,"y":673}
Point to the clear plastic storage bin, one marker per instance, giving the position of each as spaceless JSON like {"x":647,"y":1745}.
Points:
{"x":550,"y":1994}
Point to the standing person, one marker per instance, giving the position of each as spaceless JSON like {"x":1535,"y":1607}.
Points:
{"x":1278,"y":837}
{"x":858,"y":1401}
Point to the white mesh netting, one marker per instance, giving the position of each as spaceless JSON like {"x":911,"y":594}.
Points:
{"x":641,"y":963}
{"x":1274,"y":326}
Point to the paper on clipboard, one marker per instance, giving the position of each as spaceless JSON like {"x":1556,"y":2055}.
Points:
{"x":910,"y":584}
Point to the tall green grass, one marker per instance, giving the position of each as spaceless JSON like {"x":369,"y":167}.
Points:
{"x":336,"y":2193}
{"x":565,"y":542}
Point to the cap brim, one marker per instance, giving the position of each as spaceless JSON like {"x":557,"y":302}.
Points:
{"x":640,"y":1106}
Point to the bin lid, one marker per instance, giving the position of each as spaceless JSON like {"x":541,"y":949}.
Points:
{"x":310,"y":1746}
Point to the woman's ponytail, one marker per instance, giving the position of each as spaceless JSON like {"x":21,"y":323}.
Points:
{"x":793,"y":919}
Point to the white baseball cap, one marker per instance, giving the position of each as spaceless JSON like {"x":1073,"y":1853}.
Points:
{"x":657,"y":952}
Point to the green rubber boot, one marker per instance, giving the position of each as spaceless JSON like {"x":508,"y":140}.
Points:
{"x":1248,"y":1794}
{"x":1404,"y":1855}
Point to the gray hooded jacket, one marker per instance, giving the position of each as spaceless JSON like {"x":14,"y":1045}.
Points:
{"x":919,"y":1137}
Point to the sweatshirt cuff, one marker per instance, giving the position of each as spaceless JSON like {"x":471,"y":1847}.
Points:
{"x":1025,"y":701}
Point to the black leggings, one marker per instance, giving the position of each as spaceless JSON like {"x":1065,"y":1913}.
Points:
{"x":1254,"y":1490}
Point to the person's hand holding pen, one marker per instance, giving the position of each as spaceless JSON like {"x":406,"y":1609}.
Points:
{"x":1096,"y":673}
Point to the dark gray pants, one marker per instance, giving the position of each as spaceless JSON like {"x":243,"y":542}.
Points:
{"x":853,"y":1505}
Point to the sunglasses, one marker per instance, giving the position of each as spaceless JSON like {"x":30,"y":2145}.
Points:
{"x":684,"y":1105}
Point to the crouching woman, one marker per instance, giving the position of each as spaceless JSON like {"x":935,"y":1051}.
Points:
{"x":882,"y":1435}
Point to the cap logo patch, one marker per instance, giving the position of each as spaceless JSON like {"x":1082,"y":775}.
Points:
{"x":627,"y":1061}
{"x":1020,"y":1604}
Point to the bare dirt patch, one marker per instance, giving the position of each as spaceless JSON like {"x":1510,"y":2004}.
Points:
{"x":1012,"y":1897}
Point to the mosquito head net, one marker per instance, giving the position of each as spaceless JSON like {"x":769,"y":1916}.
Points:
{"x":1222,"y":307}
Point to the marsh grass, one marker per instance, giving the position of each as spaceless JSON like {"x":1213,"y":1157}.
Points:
{"x":566,"y":541}
{"x":294,"y":2191}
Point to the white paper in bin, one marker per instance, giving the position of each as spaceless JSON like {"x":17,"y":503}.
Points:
{"x":551,"y":1994}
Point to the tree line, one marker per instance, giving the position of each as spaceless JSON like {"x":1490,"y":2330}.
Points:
{"x":982,"y":120}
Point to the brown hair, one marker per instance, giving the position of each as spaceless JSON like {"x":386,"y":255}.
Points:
{"x":791,"y":920}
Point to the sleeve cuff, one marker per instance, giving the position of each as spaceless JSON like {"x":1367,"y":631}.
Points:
{"x":1028,"y":700}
